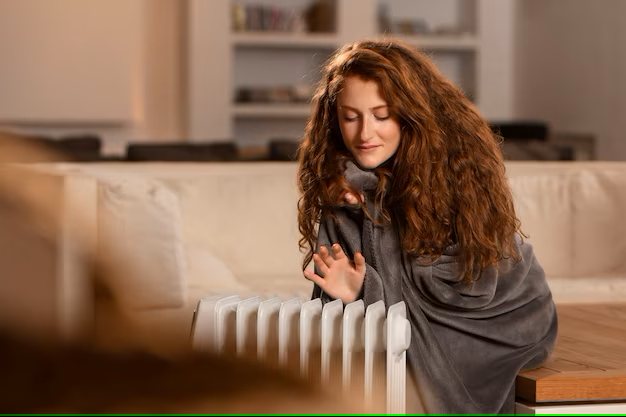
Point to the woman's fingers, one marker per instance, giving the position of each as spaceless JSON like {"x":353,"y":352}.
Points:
{"x":312,"y":276}
{"x":325,"y":256}
{"x":336,"y":254}
{"x":328,"y":257}
{"x":321,"y":265}
{"x":338,"y":251}
{"x":359,"y":263}
{"x":351,"y":198}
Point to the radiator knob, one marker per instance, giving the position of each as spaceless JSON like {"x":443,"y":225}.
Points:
{"x":401,"y":336}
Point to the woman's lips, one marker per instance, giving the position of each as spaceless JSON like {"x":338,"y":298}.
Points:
{"x":366,"y":148}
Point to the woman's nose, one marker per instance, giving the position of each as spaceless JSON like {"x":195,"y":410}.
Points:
{"x":366,"y":128}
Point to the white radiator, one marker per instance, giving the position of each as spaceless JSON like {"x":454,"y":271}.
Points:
{"x":357,"y":348}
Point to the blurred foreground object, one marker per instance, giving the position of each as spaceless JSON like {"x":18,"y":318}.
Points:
{"x":47,"y":370}
{"x":72,"y":379}
{"x":76,"y":148}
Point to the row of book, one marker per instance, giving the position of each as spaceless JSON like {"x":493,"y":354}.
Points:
{"x":266,"y":18}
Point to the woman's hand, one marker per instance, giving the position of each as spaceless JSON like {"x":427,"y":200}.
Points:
{"x":340,"y":278}
{"x":352,"y":199}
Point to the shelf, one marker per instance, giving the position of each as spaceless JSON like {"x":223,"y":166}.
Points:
{"x":455,"y":38}
{"x":326,"y":41}
{"x":441,"y":42}
{"x":284,"y":40}
{"x":271,"y":111}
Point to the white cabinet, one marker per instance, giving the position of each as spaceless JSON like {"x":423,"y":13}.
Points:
{"x":469,"y":40}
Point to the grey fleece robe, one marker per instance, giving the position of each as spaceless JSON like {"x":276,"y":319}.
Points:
{"x":467,"y":342}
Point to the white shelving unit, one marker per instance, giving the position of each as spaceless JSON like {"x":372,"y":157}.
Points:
{"x":283,"y":40}
{"x":478,"y":59}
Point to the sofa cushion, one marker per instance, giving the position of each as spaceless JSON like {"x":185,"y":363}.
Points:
{"x":599,"y":207}
{"x":208,"y":273}
{"x":247,"y":220}
{"x":543,"y":204}
{"x":139,"y":229}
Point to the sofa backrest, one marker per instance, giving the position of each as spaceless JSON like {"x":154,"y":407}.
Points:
{"x":242,"y":218}
{"x":573,"y":215}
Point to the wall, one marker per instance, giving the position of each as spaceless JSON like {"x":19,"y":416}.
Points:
{"x":495,"y":77}
{"x":209,"y":79}
{"x":570,"y":64}
{"x":59,"y":56}
{"x":164,"y":77}
{"x":109,"y":67}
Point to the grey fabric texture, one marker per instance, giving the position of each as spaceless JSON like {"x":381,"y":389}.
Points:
{"x":468,"y":342}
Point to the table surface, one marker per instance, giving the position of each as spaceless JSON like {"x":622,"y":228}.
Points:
{"x":589,"y":359}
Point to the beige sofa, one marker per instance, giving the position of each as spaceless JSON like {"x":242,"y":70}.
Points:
{"x":199,"y":229}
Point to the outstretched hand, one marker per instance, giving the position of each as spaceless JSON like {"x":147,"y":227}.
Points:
{"x":340,"y":277}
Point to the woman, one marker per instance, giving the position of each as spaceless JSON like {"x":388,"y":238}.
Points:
{"x":407,"y":184}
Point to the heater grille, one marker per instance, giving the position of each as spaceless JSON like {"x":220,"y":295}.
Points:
{"x":352,"y":346}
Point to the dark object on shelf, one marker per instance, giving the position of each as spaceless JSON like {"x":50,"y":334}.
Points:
{"x":583,"y":145}
{"x":263,"y":95}
{"x":320,"y":16}
{"x":283,"y":150}
{"x":536,"y":151}
{"x":521,"y":130}
{"x":188,"y":152}
{"x":84,"y":148}
{"x":300,"y":93}
{"x":529,"y":141}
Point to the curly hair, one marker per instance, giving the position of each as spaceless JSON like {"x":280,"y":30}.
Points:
{"x":446,"y":183}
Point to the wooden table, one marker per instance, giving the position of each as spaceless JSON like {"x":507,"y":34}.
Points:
{"x":587,"y":370}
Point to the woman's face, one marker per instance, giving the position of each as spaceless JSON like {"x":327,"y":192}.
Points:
{"x":368,"y":129}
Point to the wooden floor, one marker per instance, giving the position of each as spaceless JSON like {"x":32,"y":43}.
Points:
{"x":589,"y":360}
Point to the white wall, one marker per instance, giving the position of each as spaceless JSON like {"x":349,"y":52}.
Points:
{"x":163,"y":76}
{"x":496,"y":72}
{"x":208,"y":72}
{"x":58,"y":57}
{"x":109,"y":67}
{"x":570,"y":65}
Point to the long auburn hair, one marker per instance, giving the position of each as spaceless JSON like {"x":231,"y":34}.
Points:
{"x":446,"y":182}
